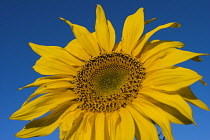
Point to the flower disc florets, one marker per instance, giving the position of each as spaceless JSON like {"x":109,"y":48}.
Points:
{"x":109,"y":81}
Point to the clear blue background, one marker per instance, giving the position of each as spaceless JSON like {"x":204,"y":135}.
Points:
{"x":23,"y":21}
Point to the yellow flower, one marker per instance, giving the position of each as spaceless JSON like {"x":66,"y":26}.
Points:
{"x":99,"y":90}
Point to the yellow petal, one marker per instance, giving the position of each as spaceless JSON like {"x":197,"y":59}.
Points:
{"x":171,"y":79}
{"x":84,"y":130}
{"x":43,"y":126}
{"x":170,"y":99}
{"x":105,"y":32}
{"x":188,"y":95}
{"x":73,"y":133}
{"x":203,"y":82}
{"x":41,"y":105}
{"x":43,"y":80}
{"x":77,"y":50}
{"x":156,"y":114}
{"x":112,"y":35}
{"x":197,"y":58}
{"x":84,"y":38}
{"x":49,"y":66}
{"x":57,"y":53}
{"x":145,"y":129}
{"x":87,"y":128}
{"x":113,"y":121}
{"x":99,"y":126}
{"x":132,"y":30}
{"x":156,"y":46}
{"x":118,"y":47}
{"x":168,"y":58}
{"x":67,"y":120}
{"x":126,"y":128}
{"x":174,"y":115}
{"x":56,"y":86}
{"x":145,"y":38}
{"x":150,"y":20}
{"x":80,"y":133}
{"x":106,"y":129}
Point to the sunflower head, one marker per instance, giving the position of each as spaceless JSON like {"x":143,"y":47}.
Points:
{"x":108,"y":82}
{"x":96,"y":89}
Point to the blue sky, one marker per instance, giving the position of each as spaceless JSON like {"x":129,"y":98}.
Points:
{"x":37,"y":21}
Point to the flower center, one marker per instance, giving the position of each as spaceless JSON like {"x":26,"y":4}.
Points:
{"x":108,"y":82}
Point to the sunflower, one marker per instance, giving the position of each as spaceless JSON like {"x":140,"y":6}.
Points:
{"x":96,"y":89}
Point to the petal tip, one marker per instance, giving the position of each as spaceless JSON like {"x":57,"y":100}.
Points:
{"x":19,"y":135}
{"x":140,"y":10}
{"x":68,"y":22}
{"x":150,"y":20}
{"x":98,"y":6}
{"x":33,"y":45}
{"x":11,"y":118}
{"x":20,"y":88}
{"x":175,"y":25}
{"x":30,"y":43}
{"x":61,"y":18}
{"x":202,"y":82}
{"x":99,"y":9}
{"x":195,"y":123}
